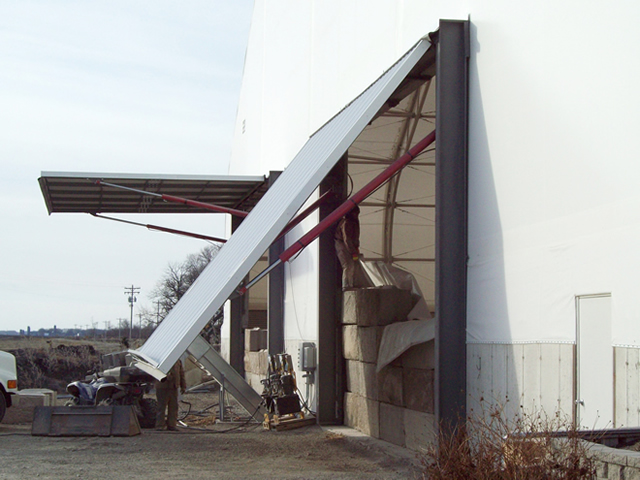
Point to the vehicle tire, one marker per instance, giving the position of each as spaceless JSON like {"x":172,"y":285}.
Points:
{"x":148,"y":412}
{"x":3,"y":405}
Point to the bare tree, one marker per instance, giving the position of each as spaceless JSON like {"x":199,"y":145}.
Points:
{"x":177,"y":279}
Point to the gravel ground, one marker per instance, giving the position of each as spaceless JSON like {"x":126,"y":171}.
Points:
{"x":221,"y":451}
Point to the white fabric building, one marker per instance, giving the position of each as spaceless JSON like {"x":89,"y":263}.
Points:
{"x":519,"y":224}
{"x":553,"y":200}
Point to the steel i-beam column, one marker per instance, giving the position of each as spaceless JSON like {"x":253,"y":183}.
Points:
{"x":451,"y":218}
{"x":331,"y":366}
{"x":239,"y":314}
{"x":275,"y":295}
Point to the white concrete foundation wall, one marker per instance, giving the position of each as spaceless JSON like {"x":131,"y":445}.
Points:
{"x":627,"y":386}
{"x":540,"y":377}
{"x":531,"y":377}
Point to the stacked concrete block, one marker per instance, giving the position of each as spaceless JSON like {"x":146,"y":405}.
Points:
{"x":361,"y":343}
{"x":390,"y":386}
{"x":392,"y":427}
{"x":396,"y":404}
{"x":256,"y":365}
{"x":419,"y":429}
{"x":24,"y":404}
{"x":256,"y":358}
{"x":362,"y":414}
{"x":362,"y":379}
{"x":375,"y":307}
{"x":418,"y":389}
{"x":255,"y":339}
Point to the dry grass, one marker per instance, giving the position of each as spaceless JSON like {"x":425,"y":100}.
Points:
{"x":525,"y":448}
{"x":13,"y":343}
{"x":53,"y":363}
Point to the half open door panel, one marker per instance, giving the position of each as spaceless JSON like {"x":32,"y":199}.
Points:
{"x":272,"y":213}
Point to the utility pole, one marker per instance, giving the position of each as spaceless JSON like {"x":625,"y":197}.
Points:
{"x":131,"y":291}
{"x":120,"y":322}
{"x":140,"y":319}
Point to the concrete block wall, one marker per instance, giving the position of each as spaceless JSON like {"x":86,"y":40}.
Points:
{"x":615,"y":463}
{"x":396,"y":404}
{"x":256,"y":357}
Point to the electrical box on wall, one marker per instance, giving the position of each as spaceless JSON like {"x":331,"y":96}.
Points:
{"x":307,"y":357}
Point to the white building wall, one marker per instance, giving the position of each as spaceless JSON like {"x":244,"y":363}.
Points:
{"x":553,"y":184}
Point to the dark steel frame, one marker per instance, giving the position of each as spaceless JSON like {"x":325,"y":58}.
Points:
{"x":452,"y":75}
{"x":452,"y":44}
{"x":275,"y":293}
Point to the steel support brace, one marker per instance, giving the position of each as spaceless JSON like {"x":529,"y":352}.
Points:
{"x":451,"y":226}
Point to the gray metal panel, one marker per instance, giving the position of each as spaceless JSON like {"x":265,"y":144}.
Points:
{"x":261,"y":227}
{"x":66,"y":192}
{"x":226,"y":375}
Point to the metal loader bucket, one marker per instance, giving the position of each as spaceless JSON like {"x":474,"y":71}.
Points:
{"x":102,"y":421}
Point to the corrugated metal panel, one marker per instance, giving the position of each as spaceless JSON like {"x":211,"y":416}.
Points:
{"x":260,"y":228}
{"x":66,"y":192}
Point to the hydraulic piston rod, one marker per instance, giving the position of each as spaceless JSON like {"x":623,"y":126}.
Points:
{"x":164,"y":229}
{"x":184,"y":201}
{"x":345,"y":208}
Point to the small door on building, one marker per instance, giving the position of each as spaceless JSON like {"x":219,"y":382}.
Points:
{"x":594,"y":362}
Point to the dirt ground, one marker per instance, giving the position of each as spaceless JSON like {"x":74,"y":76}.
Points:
{"x":206,"y":449}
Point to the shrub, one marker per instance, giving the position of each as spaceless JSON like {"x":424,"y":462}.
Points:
{"x":529,"y":447}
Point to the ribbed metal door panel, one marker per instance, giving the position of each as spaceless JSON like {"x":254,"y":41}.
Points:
{"x":261,"y":227}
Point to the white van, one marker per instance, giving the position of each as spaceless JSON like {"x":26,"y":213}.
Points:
{"x":8,"y":381}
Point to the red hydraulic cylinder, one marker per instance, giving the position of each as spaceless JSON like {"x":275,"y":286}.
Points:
{"x":358,"y":197}
{"x":347,"y":206}
{"x":185,"y":201}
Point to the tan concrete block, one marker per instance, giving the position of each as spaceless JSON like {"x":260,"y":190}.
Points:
{"x":255,"y":339}
{"x":418,"y":389}
{"x":616,"y":472}
{"x":362,"y":414}
{"x":256,"y":362}
{"x":420,"y":356}
{"x":392,"y":424}
{"x":25,"y":403}
{"x":349,"y":308}
{"x":390,"y":386}
{"x":419,"y":429}
{"x":376,"y":306}
{"x":361,"y":379}
{"x":361,"y":343}
{"x":253,"y":379}
{"x":631,"y":473}
{"x":51,"y":396}
{"x":632,"y":459}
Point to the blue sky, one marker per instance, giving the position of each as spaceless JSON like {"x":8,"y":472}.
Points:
{"x":118,"y":86}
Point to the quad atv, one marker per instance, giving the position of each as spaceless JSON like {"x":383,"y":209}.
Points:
{"x":117,"y":386}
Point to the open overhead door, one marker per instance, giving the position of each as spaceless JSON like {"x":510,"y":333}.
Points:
{"x":278,"y":206}
{"x":73,"y":192}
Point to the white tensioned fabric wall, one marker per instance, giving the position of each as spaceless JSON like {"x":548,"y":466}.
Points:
{"x":554,"y":203}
